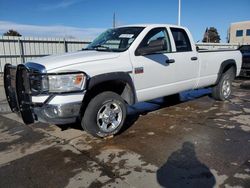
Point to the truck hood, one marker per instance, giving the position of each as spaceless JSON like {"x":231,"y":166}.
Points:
{"x":58,"y":61}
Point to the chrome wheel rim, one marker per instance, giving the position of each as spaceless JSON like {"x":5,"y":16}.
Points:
{"x":226,"y":88}
{"x":109,"y":117}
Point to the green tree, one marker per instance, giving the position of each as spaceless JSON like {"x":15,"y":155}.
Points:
{"x":12,"y":32}
{"x":211,"y":35}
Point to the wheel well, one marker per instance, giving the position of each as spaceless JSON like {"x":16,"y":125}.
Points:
{"x":117,"y":86}
{"x":229,"y":66}
{"x":225,"y":66}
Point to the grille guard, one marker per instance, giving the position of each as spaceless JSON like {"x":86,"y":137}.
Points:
{"x":19,"y":88}
{"x":10,"y":87}
{"x":18,"y":91}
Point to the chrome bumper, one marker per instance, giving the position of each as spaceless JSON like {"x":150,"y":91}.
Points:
{"x":58,"y":114}
{"x":19,"y":96}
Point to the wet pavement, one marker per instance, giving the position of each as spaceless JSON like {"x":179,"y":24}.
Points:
{"x":195,"y":142}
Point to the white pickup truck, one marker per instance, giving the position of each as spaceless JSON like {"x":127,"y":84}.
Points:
{"x":121,"y":67}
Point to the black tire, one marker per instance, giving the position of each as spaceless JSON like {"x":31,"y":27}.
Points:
{"x":222,"y":91}
{"x":104,"y":105}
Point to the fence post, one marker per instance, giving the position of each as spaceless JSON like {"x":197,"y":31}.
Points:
{"x":65,"y":45}
{"x":21,"y":50}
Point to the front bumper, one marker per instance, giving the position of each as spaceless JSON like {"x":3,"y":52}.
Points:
{"x":51,"y":108}
{"x":57,"y":114}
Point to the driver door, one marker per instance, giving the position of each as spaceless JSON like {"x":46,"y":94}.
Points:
{"x":154,"y":73}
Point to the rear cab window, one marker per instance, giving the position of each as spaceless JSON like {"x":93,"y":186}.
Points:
{"x":181,"y":40}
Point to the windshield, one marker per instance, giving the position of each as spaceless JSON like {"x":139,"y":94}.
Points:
{"x":115,"y":40}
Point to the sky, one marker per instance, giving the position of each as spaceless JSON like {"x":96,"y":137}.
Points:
{"x":85,"y":19}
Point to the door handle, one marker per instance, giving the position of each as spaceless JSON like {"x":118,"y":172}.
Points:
{"x":170,"y":61}
{"x":194,"y":58}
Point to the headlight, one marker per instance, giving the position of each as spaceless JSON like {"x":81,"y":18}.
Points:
{"x":57,"y":83}
{"x":65,"y":82}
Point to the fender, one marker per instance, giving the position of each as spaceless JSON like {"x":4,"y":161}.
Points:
{"x":225,"y":65}
{"x":113,"y":76}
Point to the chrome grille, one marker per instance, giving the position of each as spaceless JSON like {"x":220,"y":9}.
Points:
{"x":36,"y":72}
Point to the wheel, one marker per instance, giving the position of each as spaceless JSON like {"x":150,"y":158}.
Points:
{"x":104,"y":115}
{"x":223,"y":89}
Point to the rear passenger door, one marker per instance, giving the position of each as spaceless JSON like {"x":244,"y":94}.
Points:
{"x":186,"y":60}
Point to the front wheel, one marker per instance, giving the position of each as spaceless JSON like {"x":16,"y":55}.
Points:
{"x":104,"y":115}
{"x":223,"y":89}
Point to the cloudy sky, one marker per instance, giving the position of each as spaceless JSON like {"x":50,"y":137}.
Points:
{"x":85,"y":19}
{"x":51,"y":30}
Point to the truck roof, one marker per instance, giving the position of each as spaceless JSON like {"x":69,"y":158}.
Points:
{"x":152,"y":25}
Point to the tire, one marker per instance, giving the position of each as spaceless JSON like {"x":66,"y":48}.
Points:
{"x":104,"y":115}
{"x":223,"y":89}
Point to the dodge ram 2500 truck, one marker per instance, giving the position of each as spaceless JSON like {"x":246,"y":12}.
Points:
{"x":121,"y":67}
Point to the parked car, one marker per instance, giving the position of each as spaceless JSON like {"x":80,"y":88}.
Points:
{"x":121,"y":67}
{"x":245,"y":69}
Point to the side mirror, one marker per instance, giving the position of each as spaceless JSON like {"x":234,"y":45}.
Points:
{"x":153,"y":46}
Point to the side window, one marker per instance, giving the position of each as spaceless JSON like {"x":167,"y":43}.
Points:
{"x":157,"y":34}
{"x":248,"y":32}
{"x":239,"y":33}
{"x":181,"y":40}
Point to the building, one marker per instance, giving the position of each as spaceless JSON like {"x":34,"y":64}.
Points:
{"x":239,"y":32}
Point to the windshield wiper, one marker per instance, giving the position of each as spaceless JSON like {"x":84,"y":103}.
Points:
{"x":97,"y":47}
{"x":101,"y":46}
{"x":86,"y":49}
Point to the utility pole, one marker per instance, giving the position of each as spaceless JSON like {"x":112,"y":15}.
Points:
{"x":179,"y":13}
{"x":114,"y":21}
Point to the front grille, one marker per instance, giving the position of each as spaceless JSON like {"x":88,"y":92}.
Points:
{"x":36,"y":76}
{"x":36,"y":83}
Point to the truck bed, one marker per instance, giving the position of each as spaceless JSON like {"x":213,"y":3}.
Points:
{"x":210,"y":63}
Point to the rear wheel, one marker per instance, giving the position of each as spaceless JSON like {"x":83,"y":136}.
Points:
{"x":223,"y":89}
{"x":104,"y":115}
